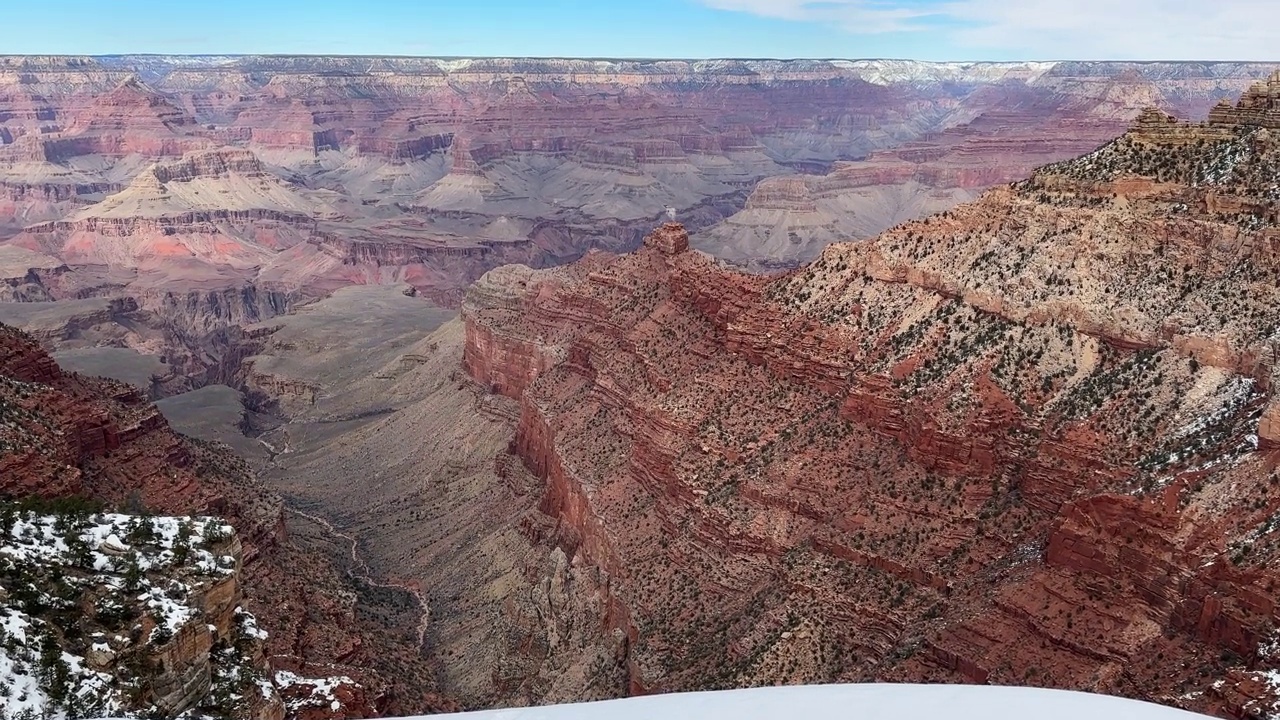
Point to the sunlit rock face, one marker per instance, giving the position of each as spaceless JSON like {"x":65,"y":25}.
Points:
{"x":1029,"y":440}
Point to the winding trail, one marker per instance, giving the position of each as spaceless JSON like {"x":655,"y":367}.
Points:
{"x":362,"y":572}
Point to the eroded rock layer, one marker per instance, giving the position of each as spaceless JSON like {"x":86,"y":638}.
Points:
{"x":220,"y":191}
{"x":1031,"y":440}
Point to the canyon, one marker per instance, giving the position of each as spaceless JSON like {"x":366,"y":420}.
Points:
{"x":1029,"y":440}
{"x":68,"y":436}
{"x":934,"y":380}
{"x":205,"y":193}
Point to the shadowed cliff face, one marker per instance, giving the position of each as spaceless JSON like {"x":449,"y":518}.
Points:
{"x":1031,"y":440}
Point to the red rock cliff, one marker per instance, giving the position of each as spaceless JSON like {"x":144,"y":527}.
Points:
{"x":1027,"y":441}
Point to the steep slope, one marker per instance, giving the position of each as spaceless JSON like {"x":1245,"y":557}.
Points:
{"x":65,"y":435}
{"x":1028,"y":441}
{"x":442,"y":507}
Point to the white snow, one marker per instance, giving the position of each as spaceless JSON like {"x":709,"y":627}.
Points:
{"x":99,"y":551}
{"x":1270,"y":648}
{"x":1203,"y":409}
{"x":852,"y":702}
{"x":1265,"y":708}
{"x":249,"y":625}
{"x":169,"y":614}
{"x":24,"y":694}
{"x":889,"y":72}
{"x":22,"y":690}
{"x":322,"y":690}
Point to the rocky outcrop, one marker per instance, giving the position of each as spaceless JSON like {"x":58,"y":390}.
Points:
{"x":1256,"y":107}
{"x":22,"y":359}
{"x":1025,"y":441}
{"x":670,"y":239}
{"x":1269,"y":427}
{"x":197,"y":314}
{"x":784,"y":193}
{"x":208,"y":164}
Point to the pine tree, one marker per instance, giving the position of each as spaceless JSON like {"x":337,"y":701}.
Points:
{"x":213,"y":533}
{"x":133,"y":575}
{"x":8,"y":518}
{"x":79,"y":552}
{"x":142,"y":530}
{"x":55,"y":675}
{"x":182,"y":545}
{"x":62,"y":523}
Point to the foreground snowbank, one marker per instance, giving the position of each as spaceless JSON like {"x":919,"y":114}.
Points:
{"x":853,"y":702}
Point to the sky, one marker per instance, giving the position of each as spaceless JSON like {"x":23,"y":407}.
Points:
{"x":917,"y":29}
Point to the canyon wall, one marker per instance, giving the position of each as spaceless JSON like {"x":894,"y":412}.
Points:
{"x":219,"y":191}
{"x":1025,"y":441}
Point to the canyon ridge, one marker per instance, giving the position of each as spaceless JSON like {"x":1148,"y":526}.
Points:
{"x":156,"y":203}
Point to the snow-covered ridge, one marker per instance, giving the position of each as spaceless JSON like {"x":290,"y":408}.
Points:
{"x":853,"y":702}
{"x":56,"y":659}
{"x":890,"y":72}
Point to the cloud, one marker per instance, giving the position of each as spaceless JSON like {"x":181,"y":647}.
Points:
{"x":1055,"y":29}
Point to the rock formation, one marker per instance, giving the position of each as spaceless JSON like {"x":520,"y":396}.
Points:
{"x":185,"y":185}
{"x":1256,"y":107}
{"x":897,"y":462}
{"x":1030,"y":440}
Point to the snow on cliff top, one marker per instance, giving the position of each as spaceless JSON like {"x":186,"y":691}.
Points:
{"x":889,"y":72}
{"x":877,"y":71}
{"x":852,"y":702}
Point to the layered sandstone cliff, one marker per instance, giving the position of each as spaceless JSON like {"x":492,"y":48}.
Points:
{"x":1030,"y":440}
{"x":200,"y":178}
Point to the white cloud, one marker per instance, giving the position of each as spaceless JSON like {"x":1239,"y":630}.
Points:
{"x":1056,"y":29}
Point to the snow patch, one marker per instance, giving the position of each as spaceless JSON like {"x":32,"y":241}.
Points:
{"x":321,"y":690}
{"x":127,"y":564}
